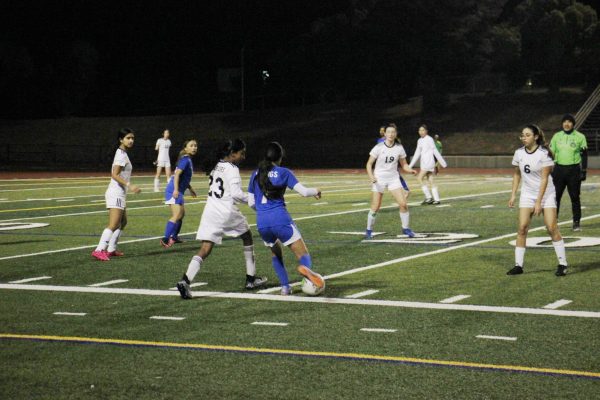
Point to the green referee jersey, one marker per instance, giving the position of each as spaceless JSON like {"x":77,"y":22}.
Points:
{"x":567,"y":148}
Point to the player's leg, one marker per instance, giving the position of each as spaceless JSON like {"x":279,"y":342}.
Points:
{"x":434,"y":189}
{"x":300,"y":250}
{"x":252,"y":281}
{"x":398,"y":194}
{"x":178,"y":226}
{"x":551,"y":221}
{"x":177,"y":212}
{"x":193,"y":268}
{"x":524,"y":222}
{"x":168,"y":172}
{"x":376,"y":197}
{"x":114,"y":221}
{"x":574,"y":188}
{"x":279,"y":267}
{"x":157,"y":177}
{"x":421,"y":178}
{"x":114,"y":239}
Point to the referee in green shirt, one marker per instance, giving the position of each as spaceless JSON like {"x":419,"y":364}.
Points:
{"x":570,"y":155}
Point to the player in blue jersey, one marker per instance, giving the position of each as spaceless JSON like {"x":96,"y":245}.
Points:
{"x":275,"y":225}
{"x":178,"y":184}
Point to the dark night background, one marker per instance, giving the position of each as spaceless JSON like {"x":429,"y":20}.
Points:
{"x":94,"y":58}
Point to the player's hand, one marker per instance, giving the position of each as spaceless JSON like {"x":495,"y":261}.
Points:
{"x":412,"y":171}
{"x":154,"y":163}
{"x":175,"y":194}
{"x":318,"y":195}
{"x":511,"y":202}
{"x":373,"y":180}
{"x":537,"y":208}
{"x":193,"y":193}
{"x":583,"y":175}
{"x":134,"y":188}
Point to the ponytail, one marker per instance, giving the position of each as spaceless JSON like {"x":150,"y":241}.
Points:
{"x":273,"y":153}
{"x":541,"y":140}
{"x":221,"y":151}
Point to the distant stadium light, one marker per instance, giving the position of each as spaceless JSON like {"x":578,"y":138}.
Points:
{"x":265,"y":75}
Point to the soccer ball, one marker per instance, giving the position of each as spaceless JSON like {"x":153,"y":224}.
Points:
{"x":310,"y":288}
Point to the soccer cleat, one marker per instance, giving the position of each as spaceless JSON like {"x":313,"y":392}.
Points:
{"x":369,"y":234}
{"x":184,"y":290}
{"x":101,"y":255}
{"x":310,"y":275}
{"x":286,"y":290}
{"x":116,"y":253}
{"x":427,"y":201}
{"x":408,"y":232}
{"x":253,"y":282}
{"x":436,"y":202}
{"x":177,"y":240}
{"x":576,"y":226}
{"x":561,"y":270}
{"x":168,"y":243}
{"x":516,"y":270}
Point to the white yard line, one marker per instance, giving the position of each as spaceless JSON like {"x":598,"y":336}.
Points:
{"x":109,"y":283}
{"x":304,"y":299}
{"x":557,"y":304}
{"x":508,"y":338}
{"x":71,"y":314}
{"x":488,"y":206}
{"x":270,"y":323}
{"x":379,"y":330}
{"x":455,"y":298}
{"x":39,"y":278}
{"x":362,"y":294}
{"x":160,"y":317}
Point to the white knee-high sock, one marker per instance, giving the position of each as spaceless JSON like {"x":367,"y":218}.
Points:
{"x":436,"y":194}
{"x":371,"y":220}
{"x":114,"y":240}
{"x":156,"y":182}
{"x":519,"y":256}
{"x":103,"y":244}
{"x":426,"y":191}
{"x":193,"y":268}
{"x":250,"y":262}
{"x":559,"y":249}
{"x":405,"y":219}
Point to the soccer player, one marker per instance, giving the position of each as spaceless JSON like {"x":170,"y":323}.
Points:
{"x":162,"y":161}
{"x":178,"y":184}
{"x":533,"y":164}
{"x":275,"y":225}
{"x":402,"y":181}
{"x":386,"y":156}
{"x":428,"y":153}
{"x":438,"y":146}
{"x":115,"y":198}
{"x":570,"y":154}
{"x":221,"y":216}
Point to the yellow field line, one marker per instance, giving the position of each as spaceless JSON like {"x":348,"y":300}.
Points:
{"x":349,"y":356}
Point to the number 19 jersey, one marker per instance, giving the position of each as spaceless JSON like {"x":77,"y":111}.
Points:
{"x":386,"y":166}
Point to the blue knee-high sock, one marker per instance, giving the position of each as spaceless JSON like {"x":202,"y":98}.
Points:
{"x":169,"y":229}
{"x":306,"y":261}
{"x":280,"y":271}
{"x":178,"y":227}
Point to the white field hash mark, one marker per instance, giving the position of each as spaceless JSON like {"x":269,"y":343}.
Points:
{"x":108,"y":283}
{"x":454,"y":299}
{"x":508,"y":338}
{"x":265,"y":323}
{"x":71,"y":314}
{"x":161,"y":317}
{"x":379,"y":330}
{"x":557,"y":304}
{"x":362,"y":294}
{"x":39,"y":278}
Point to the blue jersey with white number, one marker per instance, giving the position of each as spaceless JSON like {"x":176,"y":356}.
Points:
{"x":187,"y":168}
{"x":272,"y":212}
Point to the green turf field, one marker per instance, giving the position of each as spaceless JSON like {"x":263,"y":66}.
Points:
{"x":431,"y":317}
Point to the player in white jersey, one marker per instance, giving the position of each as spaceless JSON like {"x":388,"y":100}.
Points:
{"x":221,"y":216}
{"x":533,"y":165}
{"x":115,"y":198}
{"x":386,"y":156}
{"x":163,"y":145}
{"x":428,"y":152}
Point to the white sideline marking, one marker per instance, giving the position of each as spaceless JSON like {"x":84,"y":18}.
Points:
{"x":72,"y":314}
{"x":557,"y":304}
{"x":303,"y":299}
{"x":109,"y":283}
{"x":361,"y":294}
{"x":379,"y":330}
{"x":39,"y":278}
{"x":196,"y":284}
{"x":359,"y":204}
{"x":270,"y":323}
{"x":455,"y":298}
{"x":59,"y":200}
{"x":320,"y":204}
{"x":509,"y":338}
{"x":488,"y":206}
{"x":167,"y":318}
{"x":443,"y":205}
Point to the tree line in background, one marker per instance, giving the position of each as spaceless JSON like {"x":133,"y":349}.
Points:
{"x":388,"y":49}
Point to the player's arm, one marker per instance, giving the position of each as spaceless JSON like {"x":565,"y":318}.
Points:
{"x":369,"y":167}
{"x":416,"y":156}
{"x":439,"y":158}
{"x":537,"y":209}
{"x":584,"y":164}
{"x":306,"y":192}
{"x":176,"y":177}
{"x":515,"y":186}
{"x":114,"y":173}
{"x":237,"y":194}
{"x":406,"y":167}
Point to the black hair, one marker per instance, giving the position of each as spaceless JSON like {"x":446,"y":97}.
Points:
{"x":273,"y":154}
{"x":221,"y":151}
{"x":123,"y":132}
{"x":568,"y":117}
{"x":541,"y":140}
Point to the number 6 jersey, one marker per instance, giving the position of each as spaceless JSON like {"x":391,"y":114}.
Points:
{"x":531,"y":165}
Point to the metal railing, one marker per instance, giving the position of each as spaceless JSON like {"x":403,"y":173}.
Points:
{"x":587,"y":107}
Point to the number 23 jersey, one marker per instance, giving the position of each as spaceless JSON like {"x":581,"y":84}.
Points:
{"x":386,"y":166}
{"x":225,"y":188}
{"x":531,"y":166}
